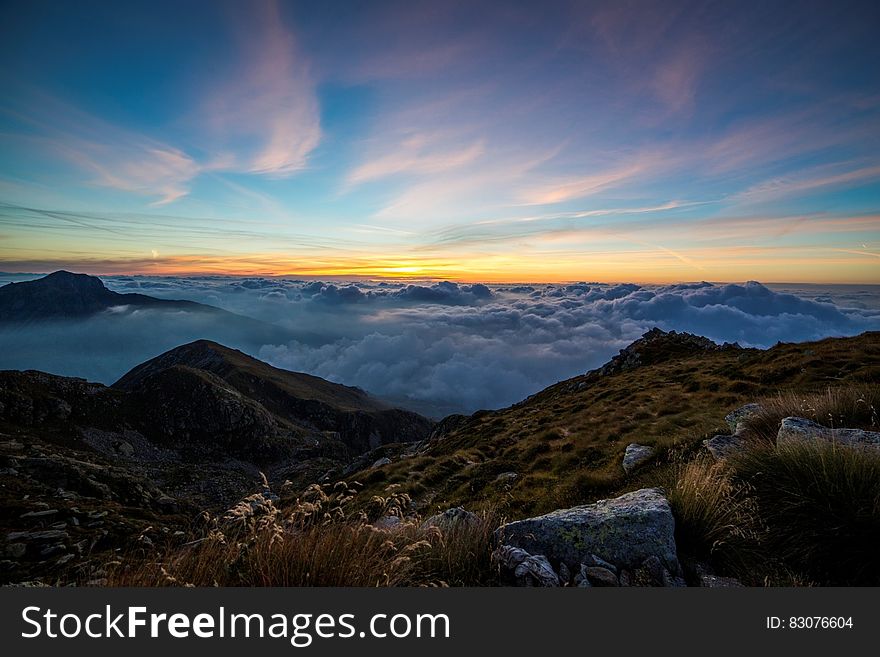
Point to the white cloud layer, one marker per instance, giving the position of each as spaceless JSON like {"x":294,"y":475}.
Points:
{"x":445,"y":347}
{"x":463,"y":347}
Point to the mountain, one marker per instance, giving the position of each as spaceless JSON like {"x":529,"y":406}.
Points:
{"x":306,"y":402}
{"x":71,"y":324}
{"x":91,"y":473}
{"x":64,"y":295}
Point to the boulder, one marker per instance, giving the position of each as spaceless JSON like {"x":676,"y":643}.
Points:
{"x":451,"y":518}
{"x":635,"y":455}
{"x":735,"y":419}
{"x":653,"y":572}
{"x":387,"y":522}
{"x":723,"y":446}
{"x":624,"y":531}
{"x":380,"y":462}
{"x":599,"y":576}
{"x":799,"y":429}
{"x":564,"y":575}
{"x":523,"y":569}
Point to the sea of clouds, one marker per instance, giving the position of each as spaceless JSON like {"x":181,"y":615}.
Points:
{"x":446,"y":347}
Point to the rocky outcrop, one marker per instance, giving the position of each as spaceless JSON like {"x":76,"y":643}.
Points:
{"x":624,"y":531}
{"x":657,"y":346}
{"x":799,"y":429}
{"x":448,"y":425}
{"x":635,"y":456}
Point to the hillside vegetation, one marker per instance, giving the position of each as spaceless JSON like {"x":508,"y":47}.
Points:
{"x":564,"y":445}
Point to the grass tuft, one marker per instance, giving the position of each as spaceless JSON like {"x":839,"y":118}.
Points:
{"x":820,"y":506}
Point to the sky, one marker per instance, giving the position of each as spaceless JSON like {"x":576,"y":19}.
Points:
{"x":647,"y":142}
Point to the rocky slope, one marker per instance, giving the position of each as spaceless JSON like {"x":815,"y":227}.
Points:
{"x":86,"y":467}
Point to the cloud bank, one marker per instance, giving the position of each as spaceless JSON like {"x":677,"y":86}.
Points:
{"x":445,"y":347}
{"x":449,"y":347}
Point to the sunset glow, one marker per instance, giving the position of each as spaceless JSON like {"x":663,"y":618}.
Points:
{"x":474,"y":142}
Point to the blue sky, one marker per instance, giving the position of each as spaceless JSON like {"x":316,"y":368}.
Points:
{"x":642,"y":141}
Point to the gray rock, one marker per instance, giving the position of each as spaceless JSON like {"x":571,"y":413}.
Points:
{"x":47,"y":535}
{"x":723,"y":446}
{"x":16,"y":550}
{"x":580,"y":579}
{"x":524,"y":569}
{"x":380,"y":462}
{"x":39,"y":514}
{"x":167,"y":504}
{"x":599,"y":576}
{"x":799,"y":429}
{"x":451,"y":518}
{"x":626,"y":530}
{"x":55,"y":548}
{"x":651,"y":572}
{"x":599,"y":561}
{"x":654,"y":573}
{"x":564,"y":575}
{"x":635,"y":456}
{"x":387,"y":522}
{"x":507,"y":477}
{"x":735,"y":419}
{"x":715,"y":582}
{"x":124,"y":448}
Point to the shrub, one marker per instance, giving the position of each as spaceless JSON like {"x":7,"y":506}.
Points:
{"x":820,"y":506}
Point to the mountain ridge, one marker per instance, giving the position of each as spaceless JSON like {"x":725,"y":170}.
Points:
{"x":173,"y":440}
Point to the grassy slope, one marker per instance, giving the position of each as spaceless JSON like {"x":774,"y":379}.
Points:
{"x":566,"y":443}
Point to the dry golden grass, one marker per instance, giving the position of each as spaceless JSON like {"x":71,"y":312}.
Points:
{"x":325,"y":538}
{"x":716,"y":518}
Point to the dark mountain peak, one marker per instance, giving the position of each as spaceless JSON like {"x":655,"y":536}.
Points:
{"x":61,"y":294}
{"x":200,"y":354}
{"x":657,"y":345}
{"x":64,"y":277}
{"x":62,"y":281}
{"x":360,"y":420}
{"x":64,"y":295}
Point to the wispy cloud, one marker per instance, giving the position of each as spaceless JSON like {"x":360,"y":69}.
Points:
{"x":559,"y":191}
{"x":417,"y":154}
{"x":104,"y":153}
{"x":265,"y":116}
{"x":263,"y":119}
{"x":811,"y":180}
